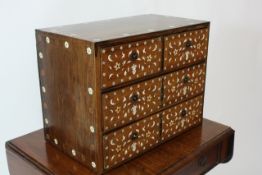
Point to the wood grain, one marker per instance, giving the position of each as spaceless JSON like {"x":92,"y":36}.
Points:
{"x":130,"y":141}
{"x":185,"y":48}
{"x":95,"y":82}
{"x":126,"y":27}
{"x":184,"y":84}
{"x":118,"y":66}
{"x":66,"y":74}
{"x":32,"y":155}
{"x":181,"y":117}
{"x":131,"y":103}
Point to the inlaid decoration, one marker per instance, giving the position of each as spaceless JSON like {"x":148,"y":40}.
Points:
{"x":184,"y":83}
{"x":185,"y":48}
{"x":129,"y":141}
{"x":127,"y":62}
{"x":181,"y":117}
{"x":131,"y":103}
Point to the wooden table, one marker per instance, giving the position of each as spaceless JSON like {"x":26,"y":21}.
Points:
{"x":195,"y":152}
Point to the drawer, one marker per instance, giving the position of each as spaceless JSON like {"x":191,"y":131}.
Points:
{"x":203,"y":162}
{"x":130,"y":61}
{"x":131,"y":103}
{"x":183,"y":84}
{"x":181,"y":117}
{"x":185,"y":48}
{"x":130,"y":141}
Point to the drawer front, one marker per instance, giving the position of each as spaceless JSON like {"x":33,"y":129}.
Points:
{"x":185,"y":48}
{"x":202,"y":163}
{"x":184,"y":84}
{"x":127,"y":62}
{"x":131,"y":103}
{"x":181,"y":117}
{"x":130,"y":141}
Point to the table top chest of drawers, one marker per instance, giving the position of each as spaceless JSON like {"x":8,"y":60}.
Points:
{"x":113,"y":89}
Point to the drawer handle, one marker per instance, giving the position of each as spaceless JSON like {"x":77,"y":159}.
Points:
{"x":186,"y":79}
{"x":134,"y":136}
{"x":189,"y":44}
{"x":183,"y":113}
{"x":202,"y":161}
{"x":134,"y":98}
{"x":133,"y":56}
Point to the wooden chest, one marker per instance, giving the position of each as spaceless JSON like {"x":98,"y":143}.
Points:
{"x":113,"y":89}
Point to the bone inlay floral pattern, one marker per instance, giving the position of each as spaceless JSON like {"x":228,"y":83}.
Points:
{"x":127,"y":62}
{"x":181,"y":117}
{"x":185,"y":48}
{"x":184,"y":84}
{"x":131,"y":103}
{"x":131,"y":140}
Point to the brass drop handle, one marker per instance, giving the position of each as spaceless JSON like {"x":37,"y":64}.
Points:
{"x":134,"y":98}
{"x":188,"y":44}
{"x":183,"y":113}
{"x":134,"y":136}
{"x":133,"y":56}
{"x":186,"y":79}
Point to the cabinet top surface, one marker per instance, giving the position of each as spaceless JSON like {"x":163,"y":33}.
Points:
{"x":111,"y":29}
{"x":39,"y":152}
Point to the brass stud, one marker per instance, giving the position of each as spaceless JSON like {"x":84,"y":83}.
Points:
{"x":46,"y":121}
{"x":90,"y":91}
{"x":47,"y":39}
{"x":66,"y":44}
{"x":41,"y":56}
{"x":93,"y":164}
{"x":88,"y":51}
{"x":43,"y":89}
{"x":56,"y":141}
{"x":73,"y":152}
{"x":92,"y":129}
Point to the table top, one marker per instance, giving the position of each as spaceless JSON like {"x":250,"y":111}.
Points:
{"x":110,"y":29}
{"x":172,"y":154}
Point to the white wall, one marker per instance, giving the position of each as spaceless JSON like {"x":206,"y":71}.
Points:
{"x":233,"y":93}
{"x":20,"y":106}
{"x":234,"y":83}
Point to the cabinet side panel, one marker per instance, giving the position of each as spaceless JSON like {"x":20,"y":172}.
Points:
{"x":206,"y":61}
{"x":67,"y":82}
